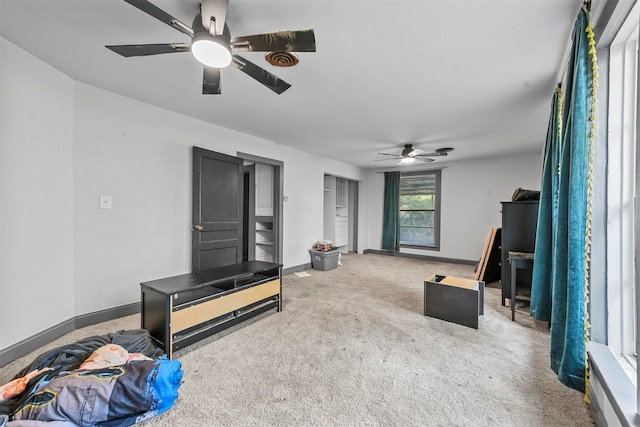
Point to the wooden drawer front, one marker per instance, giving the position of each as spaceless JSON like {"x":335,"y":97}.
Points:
{"x":192,"y":316}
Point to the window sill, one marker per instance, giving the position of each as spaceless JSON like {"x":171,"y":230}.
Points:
{"x":628,"y":363}
{"x":424,"y":247}
{"x":616,"y":386}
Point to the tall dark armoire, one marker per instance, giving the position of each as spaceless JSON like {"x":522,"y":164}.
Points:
{"x":519,"y":222}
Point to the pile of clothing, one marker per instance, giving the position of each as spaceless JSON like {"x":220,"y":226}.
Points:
{"x":323,"y":246}
{"x":118,"y":379}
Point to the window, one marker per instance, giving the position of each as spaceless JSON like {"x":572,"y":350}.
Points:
{"x":420,"y":209}
{"x":622,"y":190}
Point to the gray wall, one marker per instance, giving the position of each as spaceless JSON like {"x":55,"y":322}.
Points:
{"x":65,"y":143}
{"x":471,"y":195}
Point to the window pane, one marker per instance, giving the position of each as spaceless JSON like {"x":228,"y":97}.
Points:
{"x":419,"y":208}
{"x":622,"y":190}
{"x":420,"y":184}
{"x":417,"y":201}
{"x":416,"y":218}
{"x":415,"y":235}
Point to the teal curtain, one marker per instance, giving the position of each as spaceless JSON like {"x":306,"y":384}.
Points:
{"x":391,"y":213}
{"x":548,"y":208}
{"x":562,"y":243}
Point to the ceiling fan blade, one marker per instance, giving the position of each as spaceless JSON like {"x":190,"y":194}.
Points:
{"x":388,"y":154}
{"x":390,"y":158}
{"x":211,"y":81}
{"x":216,"y":9}
{"x":409,"y":160}
{"x":271,"y":81}
{"x":439,"y":152}
{"x":281,"y":41}
{"x":161,"y":15}
{"x":129,"y":50}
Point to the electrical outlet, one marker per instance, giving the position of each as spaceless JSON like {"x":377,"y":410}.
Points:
{"x":106,"y":202}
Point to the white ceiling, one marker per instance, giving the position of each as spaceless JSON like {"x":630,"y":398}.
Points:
{"x":476,"y":75}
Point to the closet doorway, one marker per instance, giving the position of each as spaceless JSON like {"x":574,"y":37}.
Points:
{"x":262,"y":209}
{"x":340,"y":216}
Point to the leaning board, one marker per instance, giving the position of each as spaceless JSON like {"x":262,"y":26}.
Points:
{"x":489,"y":266}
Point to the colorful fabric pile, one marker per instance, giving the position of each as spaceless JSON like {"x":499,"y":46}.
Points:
{"x":117,"y":379}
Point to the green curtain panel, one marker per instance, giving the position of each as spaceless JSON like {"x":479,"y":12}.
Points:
{"x":391,"y":213}
{"x":562,"y":243}
{"x":548,"y":208}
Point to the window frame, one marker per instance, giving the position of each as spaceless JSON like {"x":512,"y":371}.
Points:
{"x":614,"y":376}
{"x":622,"y":189}
{"x":437,"y":173}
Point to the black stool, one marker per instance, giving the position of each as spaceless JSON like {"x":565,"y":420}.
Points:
{"x":518,"y":260}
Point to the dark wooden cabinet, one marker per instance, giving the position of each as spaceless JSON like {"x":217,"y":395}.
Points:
{"x":181,"y":310}
{"x":519,"y":222}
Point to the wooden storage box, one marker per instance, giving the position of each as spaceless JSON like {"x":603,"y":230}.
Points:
{"x":454,"y":299}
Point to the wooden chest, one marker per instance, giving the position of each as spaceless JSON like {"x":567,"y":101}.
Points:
{"x":454,"y":299}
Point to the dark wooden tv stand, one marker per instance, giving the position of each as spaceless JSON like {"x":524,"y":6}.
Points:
{"x":181,"y":310}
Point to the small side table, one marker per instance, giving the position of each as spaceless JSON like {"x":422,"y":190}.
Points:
{"x":517,"y":260}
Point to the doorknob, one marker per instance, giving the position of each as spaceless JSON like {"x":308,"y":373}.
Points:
{"x":198,"y":228}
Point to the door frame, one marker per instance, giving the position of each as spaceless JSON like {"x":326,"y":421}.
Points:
{"x":278,"y":199}
{"x":329,"y":210}
{"x":248,"y":213}
{"x":354,"y":194}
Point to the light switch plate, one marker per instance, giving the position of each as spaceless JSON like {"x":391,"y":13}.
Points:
{"x":106,"y":202}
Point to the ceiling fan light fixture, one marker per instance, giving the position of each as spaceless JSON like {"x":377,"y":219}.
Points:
{"x":406,"y":160}
{"x":211,"y":51}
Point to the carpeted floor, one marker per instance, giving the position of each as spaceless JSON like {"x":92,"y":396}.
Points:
{"x":352,"y":348}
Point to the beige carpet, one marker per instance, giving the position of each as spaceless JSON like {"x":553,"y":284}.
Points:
{"x":352,"y":348}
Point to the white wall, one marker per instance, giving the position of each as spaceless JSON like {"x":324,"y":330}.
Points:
{"x":36,"y":195}
{"x":471,"y":196}
{"x":141,"y":156}
{"x":64,"y":144}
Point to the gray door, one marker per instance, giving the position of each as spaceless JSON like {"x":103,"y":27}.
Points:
{"x":217,"y":210}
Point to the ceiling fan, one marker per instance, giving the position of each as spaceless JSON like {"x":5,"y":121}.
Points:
{"x":410,"y":154}
{"x":212,"y":45}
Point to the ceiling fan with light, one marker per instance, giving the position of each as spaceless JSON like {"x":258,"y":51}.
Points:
{"x":410,"y":155}
{"x":212,"y":45}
